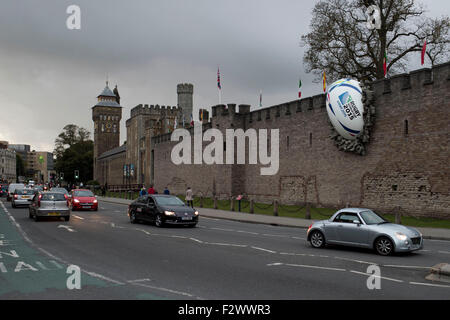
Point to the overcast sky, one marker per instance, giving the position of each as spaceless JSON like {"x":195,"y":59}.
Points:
{"x":50,"y":76}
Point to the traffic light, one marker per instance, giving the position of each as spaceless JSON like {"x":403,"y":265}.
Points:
{"x":61,"y":176}
{"x":77,"y":174}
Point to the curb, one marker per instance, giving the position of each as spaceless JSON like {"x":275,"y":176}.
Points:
{"x":281,"y":224}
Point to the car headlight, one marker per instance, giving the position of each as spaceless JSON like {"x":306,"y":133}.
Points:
{"x":95,"y":201}
{"x":196,"y":213}
{"x":76,"y":200}
{"x":169,"y":213}
{"x":401,"y":236}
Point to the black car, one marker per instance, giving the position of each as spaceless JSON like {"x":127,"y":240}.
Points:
{"x":162,"y":209}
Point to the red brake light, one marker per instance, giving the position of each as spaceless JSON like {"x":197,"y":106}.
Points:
{"x":15,"y":196}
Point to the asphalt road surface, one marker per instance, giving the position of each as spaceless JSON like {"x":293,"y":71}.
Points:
{"x":219,"y":259}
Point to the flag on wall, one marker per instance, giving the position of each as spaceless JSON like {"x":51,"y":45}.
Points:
{"x":385,"y":64}
{"x":424,"y":50}
{"x":299,"y":86}
{"x":324,"y":78}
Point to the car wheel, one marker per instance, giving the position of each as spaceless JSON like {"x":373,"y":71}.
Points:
{"x":133,"y":217}
{"x":317,"y":239}
{"x":159,"y":221}
{"x":384,"y":246}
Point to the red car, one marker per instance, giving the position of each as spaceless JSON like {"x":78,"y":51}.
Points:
{"x":83,"y":199}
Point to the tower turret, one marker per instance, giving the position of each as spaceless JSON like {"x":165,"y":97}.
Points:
{"x":185,"y":93}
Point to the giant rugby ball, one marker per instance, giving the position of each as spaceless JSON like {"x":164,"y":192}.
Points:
{"x":345,"y":108}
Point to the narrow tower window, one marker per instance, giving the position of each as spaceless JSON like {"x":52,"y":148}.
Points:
{"x":310,"y":139}
{"x":406,"y":128}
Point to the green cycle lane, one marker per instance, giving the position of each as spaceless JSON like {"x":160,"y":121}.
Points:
{"x":27,"y":273}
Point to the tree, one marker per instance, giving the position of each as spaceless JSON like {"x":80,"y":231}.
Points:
{"x":341,"y":44}
{"x":74,"y":151}
{"x":71,"y":134}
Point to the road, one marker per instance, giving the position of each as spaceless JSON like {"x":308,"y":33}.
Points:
{"x":219,"y":259}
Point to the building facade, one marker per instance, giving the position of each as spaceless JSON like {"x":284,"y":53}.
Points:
{"x":7,"y":163}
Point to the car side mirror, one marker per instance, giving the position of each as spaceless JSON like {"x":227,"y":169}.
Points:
{"x":356,"y":222}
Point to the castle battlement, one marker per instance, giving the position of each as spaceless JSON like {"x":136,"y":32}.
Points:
{"x":154,"y":110}
{"x":185,"y":88}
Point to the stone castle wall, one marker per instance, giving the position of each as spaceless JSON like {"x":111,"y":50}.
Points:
{"x":406,"y":167}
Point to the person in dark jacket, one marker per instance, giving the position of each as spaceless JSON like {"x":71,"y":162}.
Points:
{"x":166,"y":191}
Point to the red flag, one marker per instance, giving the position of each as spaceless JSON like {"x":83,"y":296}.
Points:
{"x":424,"y":49}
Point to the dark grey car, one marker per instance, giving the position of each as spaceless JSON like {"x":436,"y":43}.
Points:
{"x":49,"y":204}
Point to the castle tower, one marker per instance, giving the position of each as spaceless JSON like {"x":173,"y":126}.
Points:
{"x":185,"y":93}
{"x":106,"y":115}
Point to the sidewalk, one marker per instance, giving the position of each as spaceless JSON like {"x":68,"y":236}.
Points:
{"x":428,"y":233}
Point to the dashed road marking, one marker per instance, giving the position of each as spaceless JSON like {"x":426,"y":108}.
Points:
{"x":305,"y":266}
{"x":400,"y":266}
{"x":375,"y":276}
{"x":444,"y":252}
{"x":77,"y":217}
{"x":354,"y":260}
{"x":262,"y":249}
{"x":138,"y":280}
{"x":430,"y":284}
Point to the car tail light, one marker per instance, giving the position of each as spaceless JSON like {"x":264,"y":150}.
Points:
{"x":16,"y":196}
{"x":39,"y":200}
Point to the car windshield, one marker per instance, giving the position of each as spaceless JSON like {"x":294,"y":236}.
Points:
{"x":371,"y":217}
{"x":53,"y":197}
{"x":169,"y":201}
{"x":83,"y":193}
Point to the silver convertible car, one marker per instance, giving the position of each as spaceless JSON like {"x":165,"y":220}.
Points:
{"x":364,"y":228}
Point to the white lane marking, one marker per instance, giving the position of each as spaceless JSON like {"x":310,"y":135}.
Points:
{"x":444,"y":252}
{"x":249,"y":232}
{"x":227,"y":244}
{"x":298,"y":238}
{"x":96,"y":275}
{"x":275,"y":235}
{"x":305,"y":266}
{"x":165,"y":289}
{"x":210,"y":218}
{"x":77,"y":217}
{"x":196,"y":240}
{"x":180,"y":237}
{"x":435,"y":240}
{"x":399,"y":266}
{"x":353,"y":260}
{"x":375,"y":276}
{"x":262,"y":249}
{"x":430,"y":284}
{"x":293,"y":254}
{"x":138,"y":280}
{"x":67,"y":228}
{"x":222,"y":229}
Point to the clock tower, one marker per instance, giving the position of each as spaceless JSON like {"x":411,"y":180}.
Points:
{"x":106,"y":115}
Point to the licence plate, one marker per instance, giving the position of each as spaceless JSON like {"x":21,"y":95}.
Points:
{"x":186,"y":218}
{"x":86,"y":206}
{"x":54,"y":214}
{"x":25,"y":197}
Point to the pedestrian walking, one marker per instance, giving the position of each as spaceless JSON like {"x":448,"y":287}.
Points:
{"x":166,"y":191}
{"x":151,"y":190}
{"x":189,"y":197}
{"x":142,"y":192}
